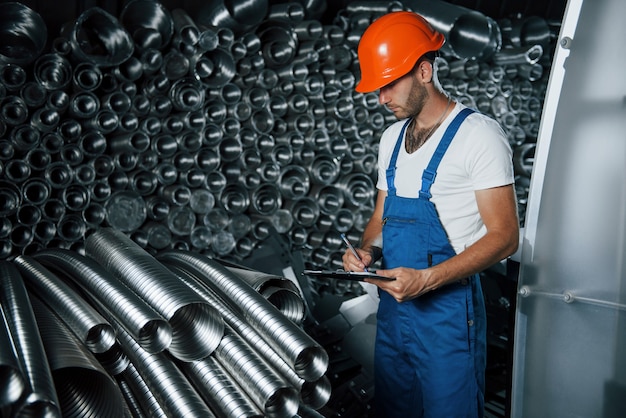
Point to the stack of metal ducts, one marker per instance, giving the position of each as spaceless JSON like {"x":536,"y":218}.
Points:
{"x":208,"y":129}
{"x":119,"y":332}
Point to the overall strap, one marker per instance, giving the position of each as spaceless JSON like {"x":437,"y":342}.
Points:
{"x":391,"y":170}
{"x":428,"y":177}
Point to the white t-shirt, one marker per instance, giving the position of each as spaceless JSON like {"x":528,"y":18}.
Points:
{"x":478,"y":158}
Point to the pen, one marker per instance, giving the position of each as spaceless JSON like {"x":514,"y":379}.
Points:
{"x":351,"y":248}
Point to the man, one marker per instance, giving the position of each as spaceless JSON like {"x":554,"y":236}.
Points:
{"x":445,"y":211}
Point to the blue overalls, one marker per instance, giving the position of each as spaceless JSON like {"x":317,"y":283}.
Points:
{"x":430,"y":351}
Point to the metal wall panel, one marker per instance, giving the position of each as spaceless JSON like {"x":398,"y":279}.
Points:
{"x":571,"y":321}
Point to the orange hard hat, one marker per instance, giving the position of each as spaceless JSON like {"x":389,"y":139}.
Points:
{"x":390,"y":47}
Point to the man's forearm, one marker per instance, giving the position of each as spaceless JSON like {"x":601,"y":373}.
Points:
{"x":486,"y":252}
{"x":372,"y":240}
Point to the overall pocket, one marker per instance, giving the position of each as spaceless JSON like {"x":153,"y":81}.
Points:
{"x":405,"y":243}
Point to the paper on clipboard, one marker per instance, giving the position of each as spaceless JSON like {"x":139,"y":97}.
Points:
{"x":346,"y":275}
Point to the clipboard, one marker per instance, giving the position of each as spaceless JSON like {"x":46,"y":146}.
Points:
{"x":346,"y":275}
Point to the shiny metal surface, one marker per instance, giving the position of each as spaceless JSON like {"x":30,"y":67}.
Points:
{"x":219,"y":389}
{"x":307,"y":358}
{"x":164,"y":382}
{"x":131,"y":380}
{"x":13,"y":382}
{"x":133,"y":408}
{"x":40,"y":397}
{"x":196,"y":326}
{"x":93,"y":330}
{"x":279,"y":291}
{"x":149,"y":23}
{"x":315,"y":393}
{"x":98,"y":37}
{"x":23,"y":27}
{"x":270,"y":392}
{"x":83,"y":386}
{"x":150,"y":330}
{"x":573,"y":259}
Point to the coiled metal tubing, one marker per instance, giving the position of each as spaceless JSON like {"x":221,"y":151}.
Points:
{"x":304,"y":355}
{"x":88,"y":325}
{"x":236,"y":15}
{"x":24,"y":34}
{"x":141,"y":400}
{"x":520,"y":55}
{"x":112,"y":44}
{"x":151,"y":331}
{"x":166,"y":384}
{"x":219,"y":389}
{"x":148,"y":22}
{"x":83,"y":386}
{"x":279,"y":291}
{"x":196,"y":326}
{"x":132,"y":403}
{"x":39,"y":396}
{"x":274,"y":396}
{"x":13,"y":381}
{"x":315,"y":393}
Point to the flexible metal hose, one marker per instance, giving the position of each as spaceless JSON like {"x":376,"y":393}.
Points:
{"x":40,"y":397}
{"x":88,"y":325}
{"x":305,"y":356}
{"x":83,"y":386}
{"x":314,"y":393}
{"x":152,"y":332}
{"x":196,"y":327}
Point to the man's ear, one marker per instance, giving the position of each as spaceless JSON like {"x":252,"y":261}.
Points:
{"x":425,"y":71}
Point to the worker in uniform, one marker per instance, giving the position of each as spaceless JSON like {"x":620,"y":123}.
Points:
{"x":445,"y":211}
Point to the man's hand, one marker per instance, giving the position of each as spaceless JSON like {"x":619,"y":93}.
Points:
{"x":409,"y":283}
{"x":351,"y":263}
